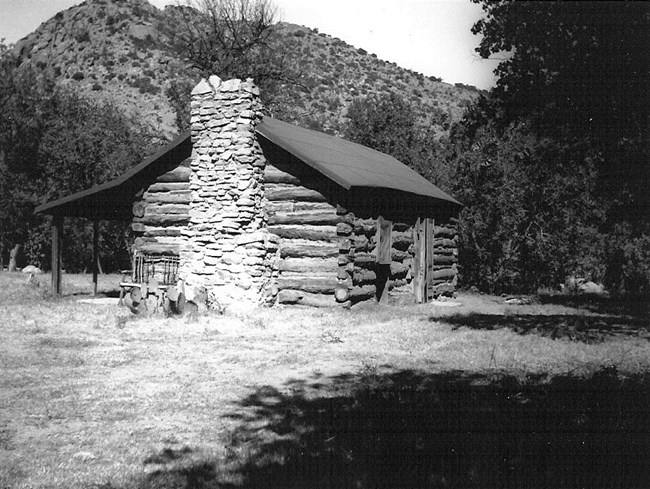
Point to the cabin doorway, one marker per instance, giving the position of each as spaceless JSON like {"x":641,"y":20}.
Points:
{"x":423,"y":261}
{"x":384,"y":248}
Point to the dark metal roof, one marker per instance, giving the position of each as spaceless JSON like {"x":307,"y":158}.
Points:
{"x":346,"y":163}
{"x":114,"y":199}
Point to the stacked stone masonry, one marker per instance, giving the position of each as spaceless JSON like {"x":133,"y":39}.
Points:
{"x":229,"y":251}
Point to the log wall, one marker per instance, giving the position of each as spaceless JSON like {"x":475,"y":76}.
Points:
{"x":304,"y":220}
{"x":161,"y":213}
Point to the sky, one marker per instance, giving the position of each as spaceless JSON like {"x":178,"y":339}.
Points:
{"x":428,"y":36}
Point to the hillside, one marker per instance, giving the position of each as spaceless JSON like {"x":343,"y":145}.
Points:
{"x":117,"y":50}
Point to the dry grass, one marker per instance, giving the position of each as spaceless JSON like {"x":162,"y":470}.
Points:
{"x":91,"y":396}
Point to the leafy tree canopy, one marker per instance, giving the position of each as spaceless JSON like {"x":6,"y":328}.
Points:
{"x":581,"y":68}
{"x":553,"y":164}
{"x":54,"y":142}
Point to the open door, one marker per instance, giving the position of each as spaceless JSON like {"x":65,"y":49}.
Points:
{"x":423,"y":262}
{"x":384,"y":257}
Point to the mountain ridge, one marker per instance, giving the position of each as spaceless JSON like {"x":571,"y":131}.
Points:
{"x":117,"y":50}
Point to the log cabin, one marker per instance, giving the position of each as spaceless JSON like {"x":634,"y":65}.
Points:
{"x":256,"y":210}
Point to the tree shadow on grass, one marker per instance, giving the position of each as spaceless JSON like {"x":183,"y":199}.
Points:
{"x":410,"y":429}
{"x":578,"y":327}
{"x":626,"y":306}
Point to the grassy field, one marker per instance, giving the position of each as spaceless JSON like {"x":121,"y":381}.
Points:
{"x":484,"y":394}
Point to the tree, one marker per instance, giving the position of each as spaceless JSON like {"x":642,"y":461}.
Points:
{"x":583,"y":68}
{"x":552,"y":165}
{"x":223,"y":37}
{"x":230,"y":39}
{"x":531,"y":216}
{"x":388,"y":124}
{"x":54,"y":142}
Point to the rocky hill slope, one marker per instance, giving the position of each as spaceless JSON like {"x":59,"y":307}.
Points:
{"x":117,"y":50}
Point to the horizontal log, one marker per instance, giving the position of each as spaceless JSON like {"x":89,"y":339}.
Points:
{"x":368,"y":229}
{"x":362,"y":276}
{"x":344,"y":229}
{"x":153,"y":231}
{"x":315,"y":206}
{"x":180,"y":197}
{"x":178,"y":174}
{"x":402,"y":227}
{"x":445,"y":251}
{"x":278,"y":191}
{"x":297,"y":249}
{"x":398,"y":282}
{"x":344,"y":245}
{"x":306,"y":283}
{"x":397,"y":255}
{"x":444,"y":232}
{"x":290,"y":206}
{"x":163,"y":219}
{"x":362,"y":293}
{"x":168,"y":187}
{"x":364,"y":259}
{"x":442,"y":274}
{"x":159,"y":248}
{"x":361,"y":243}
{"x":304,"y":217}
{"x":444,"y":259}
{"x":444,"y":242}
{"x":402,"y":241}
{"x":274,"y":175}
{"x":342,"y":273}
{"x":151,"y":209}
{"x":308,"y":232}
{"x":299,"y":297}
{"x":309,"y":265}
{"x":279,"y":206}
{"x":399,"y":270}
{"x":344,"y":259}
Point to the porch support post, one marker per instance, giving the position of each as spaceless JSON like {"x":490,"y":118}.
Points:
{"x":57,"y":250}
{"x":95,"y":254}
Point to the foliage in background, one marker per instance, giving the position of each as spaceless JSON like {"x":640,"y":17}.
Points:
{"x":531,"y":218}
{"x":388,"y":123}
{"x":54,"y":142}
{"x":552,"y":165}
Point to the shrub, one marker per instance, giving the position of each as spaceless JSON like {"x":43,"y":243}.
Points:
{"x":83,"y":37}
{"x":627,"y":261}
{"x":78,"y":76}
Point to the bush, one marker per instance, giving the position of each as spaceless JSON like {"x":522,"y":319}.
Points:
{"x":78,"y":76}
{"x":83,"y":37}
{"x":627,"y":261}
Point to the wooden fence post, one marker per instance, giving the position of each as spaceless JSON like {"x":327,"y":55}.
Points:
{"x":95,"y":254}
{"x":57,"y":251}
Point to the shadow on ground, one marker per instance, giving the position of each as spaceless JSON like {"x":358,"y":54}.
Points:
{"x":577,"y":327}
{"x":633,"y":307}
{"x":411,"y":430}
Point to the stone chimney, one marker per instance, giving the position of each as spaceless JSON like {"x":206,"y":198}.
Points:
{"x":230,"y":252}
